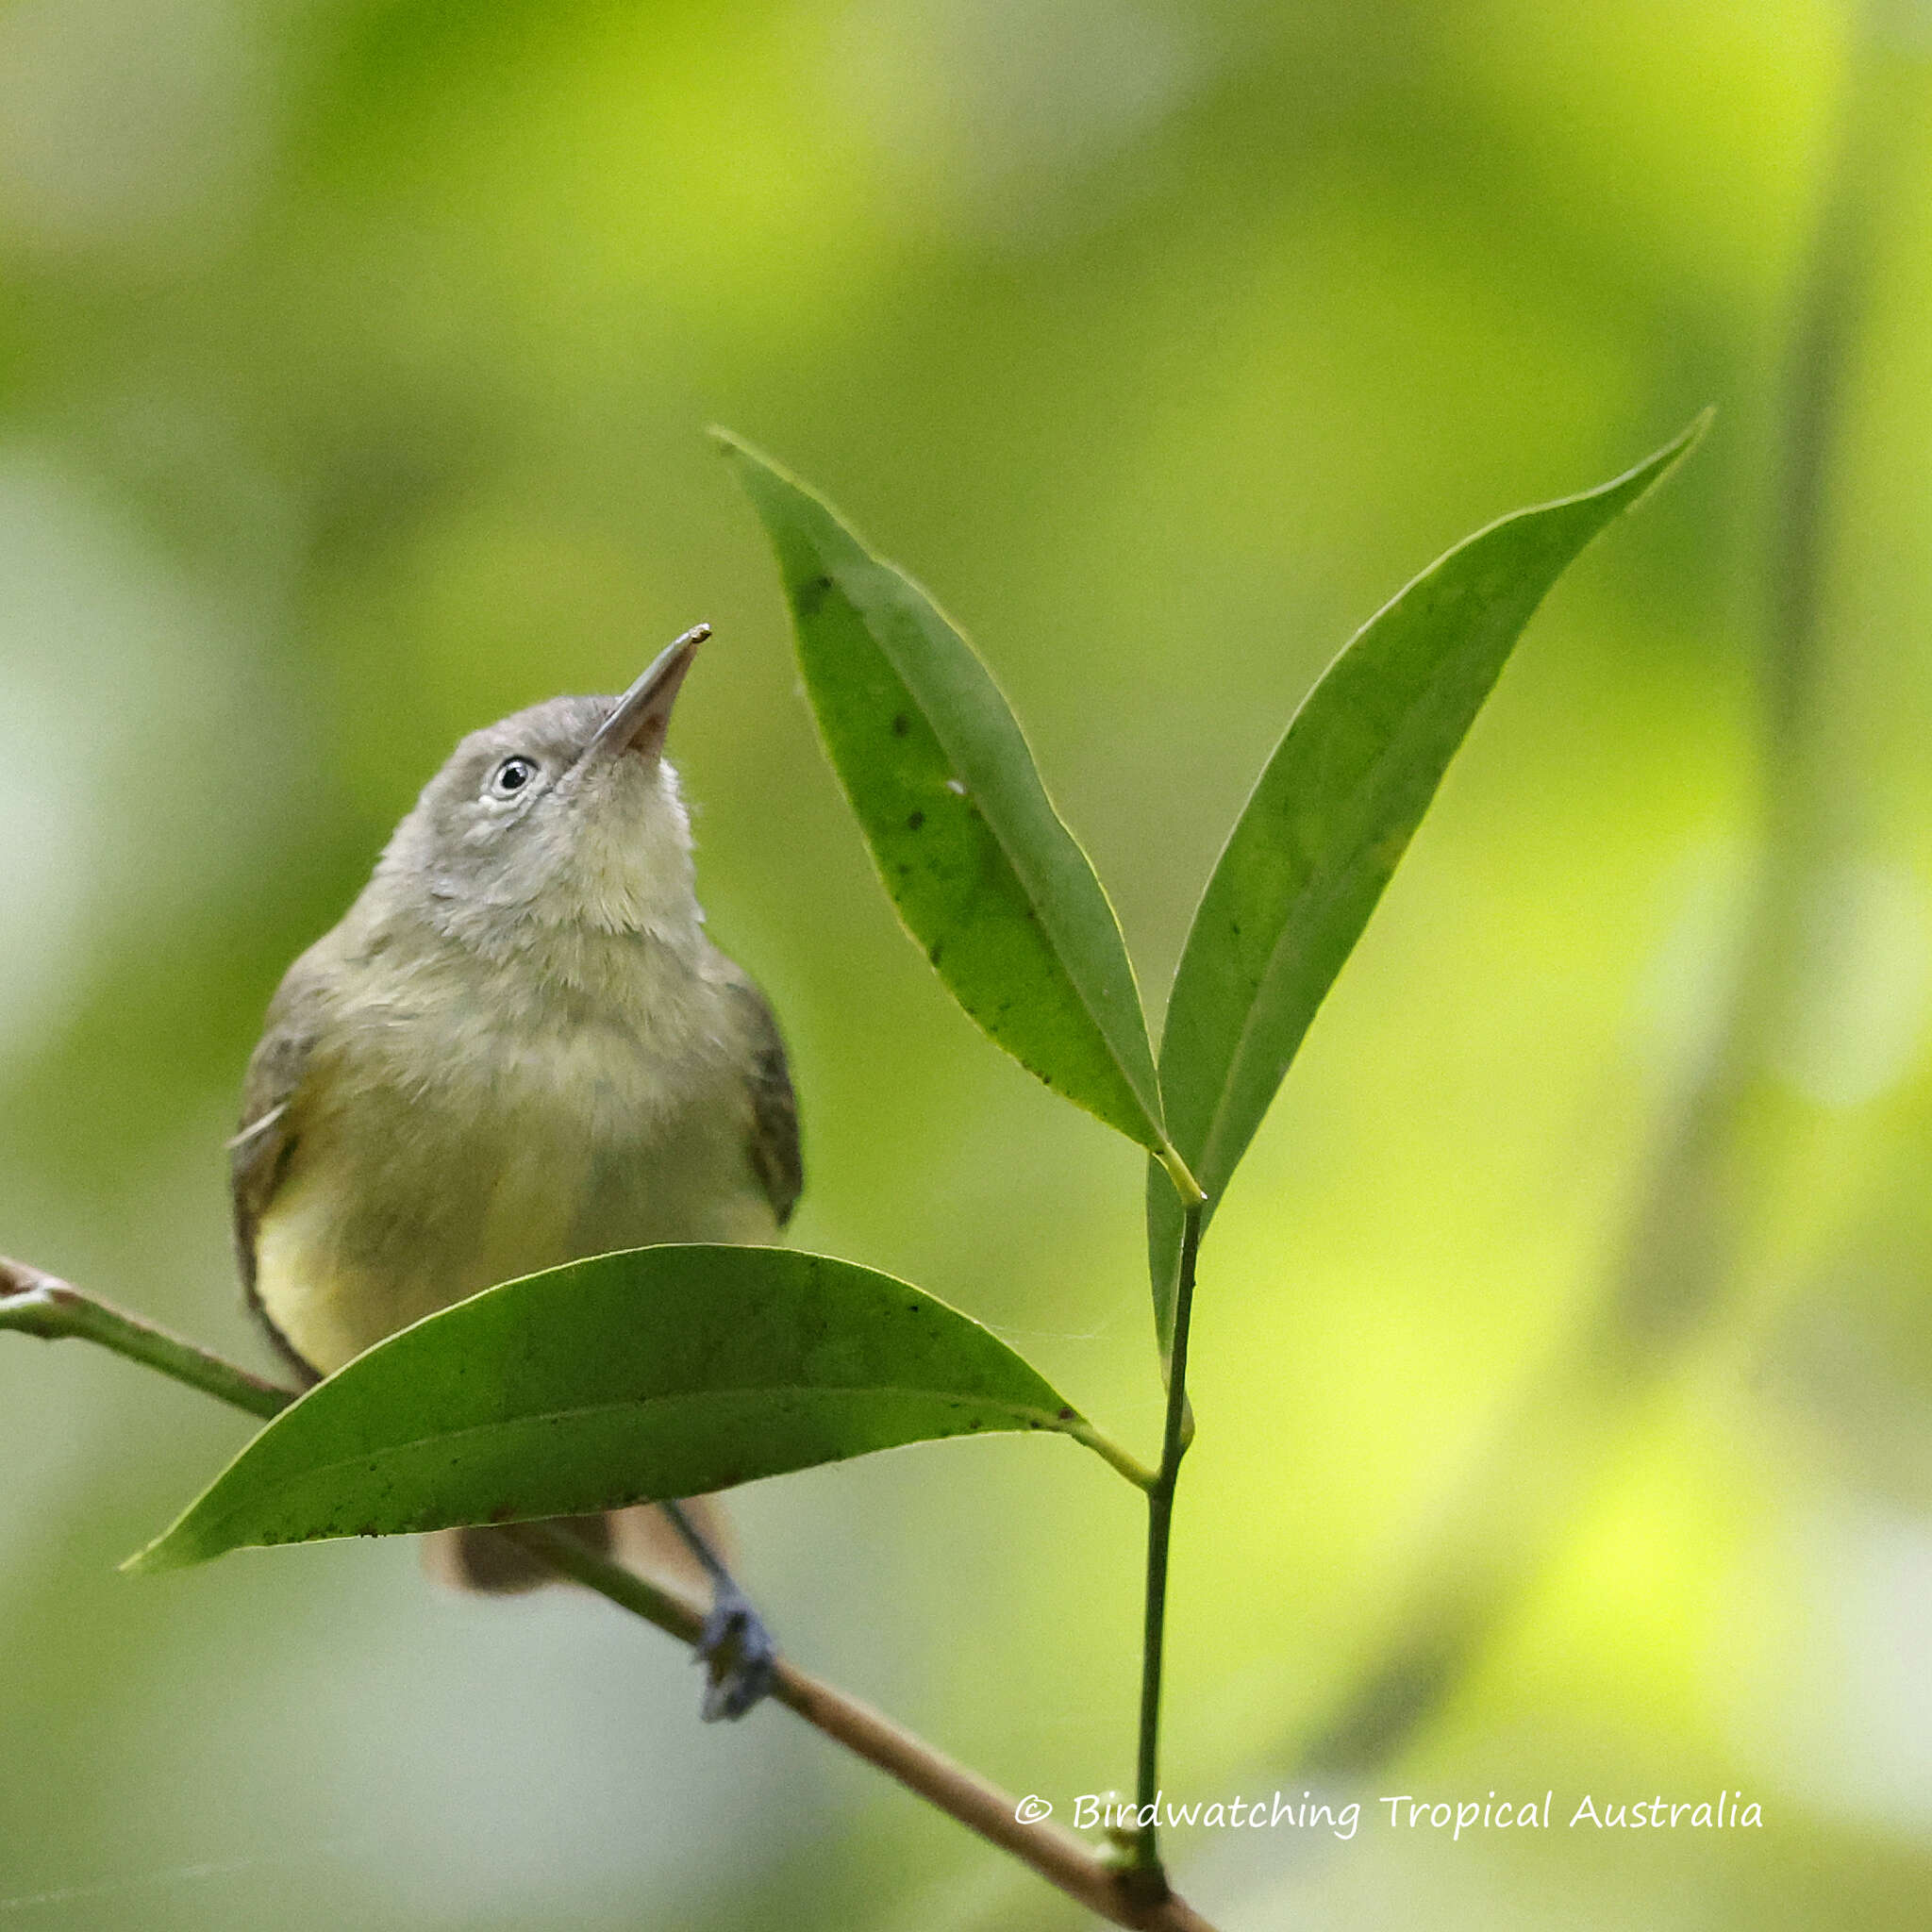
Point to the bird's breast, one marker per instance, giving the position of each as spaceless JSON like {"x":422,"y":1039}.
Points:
{"x":446,"y":1143}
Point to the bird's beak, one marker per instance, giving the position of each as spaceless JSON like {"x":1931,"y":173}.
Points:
{"x":644,"y":712}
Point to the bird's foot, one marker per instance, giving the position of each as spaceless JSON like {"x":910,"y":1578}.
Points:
{"x":740,"y":1660}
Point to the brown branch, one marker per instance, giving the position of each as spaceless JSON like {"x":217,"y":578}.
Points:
{"x":38,"y":1303}
{"x":1057,"y":1856}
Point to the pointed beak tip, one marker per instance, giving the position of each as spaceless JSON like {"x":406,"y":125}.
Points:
{"x":643,"y":715}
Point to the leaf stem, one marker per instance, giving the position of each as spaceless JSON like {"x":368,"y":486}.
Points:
{"x":35,"y":1303}
{"x":1109,"y":1450}
{"x":1177,"y":1170}
{"x":1144,"y":1873}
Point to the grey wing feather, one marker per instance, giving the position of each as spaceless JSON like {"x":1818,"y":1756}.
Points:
{"x":773,"y":1149}
{"x":260,"y":1153}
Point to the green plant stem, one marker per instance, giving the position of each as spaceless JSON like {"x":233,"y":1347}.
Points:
{"x":1144,"y":1870}
{"x":35,"y":1303}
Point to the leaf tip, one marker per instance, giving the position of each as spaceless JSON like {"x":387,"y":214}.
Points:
{"x":1654,"y":468}
{"x":750,"y":461}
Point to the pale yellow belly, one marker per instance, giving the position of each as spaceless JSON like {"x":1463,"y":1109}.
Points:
{"x":388,"y":1214}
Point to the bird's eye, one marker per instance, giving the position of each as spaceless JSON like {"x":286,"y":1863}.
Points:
{"x":511,"y":777}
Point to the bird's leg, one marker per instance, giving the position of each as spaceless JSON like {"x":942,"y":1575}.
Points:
{"x":738,"y":1653}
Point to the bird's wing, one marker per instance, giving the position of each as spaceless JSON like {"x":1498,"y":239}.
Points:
{"x":260,"y":1153}
{"x":774,"y":1146}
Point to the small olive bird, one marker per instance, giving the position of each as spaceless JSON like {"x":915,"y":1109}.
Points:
{"x":517,"y":1048}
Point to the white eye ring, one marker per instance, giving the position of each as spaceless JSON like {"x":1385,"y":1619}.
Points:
{"x":512,"y":776}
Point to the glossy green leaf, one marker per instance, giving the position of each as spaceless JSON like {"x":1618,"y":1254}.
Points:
{"x":632,"y":1377}
{"x":987,"y":877}
{"x":1327,"y":823}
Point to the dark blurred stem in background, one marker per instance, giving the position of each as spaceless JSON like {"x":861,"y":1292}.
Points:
{"x":1683,"y":1260}
{"x":40,"y":1305}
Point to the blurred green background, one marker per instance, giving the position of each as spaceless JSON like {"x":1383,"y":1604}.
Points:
{"x":354,"y":364}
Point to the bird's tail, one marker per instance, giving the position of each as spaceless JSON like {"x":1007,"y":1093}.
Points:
{"x":484,"y":1560}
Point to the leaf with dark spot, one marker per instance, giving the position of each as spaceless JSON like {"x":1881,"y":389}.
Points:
{"x":628,"y":1378}
{"x":1000,"y":896}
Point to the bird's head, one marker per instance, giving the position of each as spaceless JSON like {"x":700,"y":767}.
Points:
{"x":562,"y":818}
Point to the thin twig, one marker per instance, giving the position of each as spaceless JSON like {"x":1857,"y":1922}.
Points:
{"x":38,"y":1304}
{"x":34,"y":1303}
{"x":1057,"y":1856}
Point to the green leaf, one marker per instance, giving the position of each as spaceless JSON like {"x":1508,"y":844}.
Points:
{"x":1327,"y":823}
{"x":632,"y":1377}
{"x":987,"y":877}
